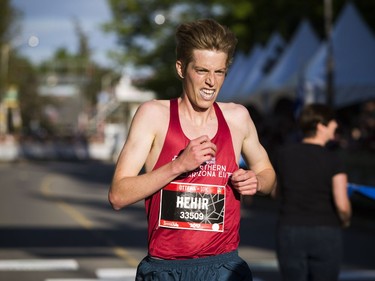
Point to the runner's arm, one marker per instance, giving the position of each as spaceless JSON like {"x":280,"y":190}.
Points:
{"x":261,"y":177}
{"x":128,"y":185}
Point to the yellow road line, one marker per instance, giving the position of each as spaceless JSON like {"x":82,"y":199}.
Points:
{"x":45,"y":186}
{"x":124,"y":254}
{"x":84,"y":221}
{"x":70,"y":210}
{"x":76,"y":215}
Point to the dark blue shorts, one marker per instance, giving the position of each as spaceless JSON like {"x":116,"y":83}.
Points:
{"x":224,"y":267}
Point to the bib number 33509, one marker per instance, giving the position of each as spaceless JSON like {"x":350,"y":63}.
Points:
{"x":192,"y":206}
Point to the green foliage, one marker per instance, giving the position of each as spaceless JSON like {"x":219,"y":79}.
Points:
{"x":15,"y":70}
{"x":8,"y":21}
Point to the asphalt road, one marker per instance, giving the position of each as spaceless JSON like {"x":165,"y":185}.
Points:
{"x":56,"y":224}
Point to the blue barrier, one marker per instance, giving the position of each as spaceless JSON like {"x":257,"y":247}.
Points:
{"x":368,"y":191}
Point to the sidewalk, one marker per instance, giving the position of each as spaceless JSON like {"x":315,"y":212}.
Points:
{"x":13,"y":150}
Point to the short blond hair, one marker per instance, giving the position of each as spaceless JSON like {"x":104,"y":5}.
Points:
{"x":204,"y":34}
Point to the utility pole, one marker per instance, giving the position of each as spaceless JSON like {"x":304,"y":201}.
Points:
{"x":4,"y":59}
{"x":330,"y":89}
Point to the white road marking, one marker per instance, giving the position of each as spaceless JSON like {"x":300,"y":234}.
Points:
{"x":128,"y":278}
{"x":104,"y":273}
{"x":38,"y":265}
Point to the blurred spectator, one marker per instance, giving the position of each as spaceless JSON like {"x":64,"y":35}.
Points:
{"x":314,"y":204}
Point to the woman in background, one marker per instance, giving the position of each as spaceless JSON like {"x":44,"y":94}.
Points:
{"x":314,"y":204}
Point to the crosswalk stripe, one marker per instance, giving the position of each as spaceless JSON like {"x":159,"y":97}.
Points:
{"x":104,"y":273}
{"x":72,"y":279}
{"x":38,"y":264}
{"x":129,"y":278}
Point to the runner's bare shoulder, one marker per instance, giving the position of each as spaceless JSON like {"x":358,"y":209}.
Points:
{"x":154,"y":110}
{"x":234,"y":111}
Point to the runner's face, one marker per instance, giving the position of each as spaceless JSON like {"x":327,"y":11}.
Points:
{"x":204,"y":77}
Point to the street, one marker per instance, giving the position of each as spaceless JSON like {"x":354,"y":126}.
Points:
{"x":56,"y":224}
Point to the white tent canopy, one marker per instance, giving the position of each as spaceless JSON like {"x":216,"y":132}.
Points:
{"x":285,"y":75}
{"x":232,"y":72}
{"x":241,"y":66}
{"x":354,"y":61}
{"x":246,"y":68}
{"x":294,"y":59}
{"x":263,"y":63}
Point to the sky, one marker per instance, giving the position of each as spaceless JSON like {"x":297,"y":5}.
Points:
{"x":50,"y":25}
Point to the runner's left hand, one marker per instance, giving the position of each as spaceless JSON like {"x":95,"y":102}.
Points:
{"x":245,"y":182}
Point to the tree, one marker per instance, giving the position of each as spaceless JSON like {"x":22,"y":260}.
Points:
{"x":16,"y":71}
{"x":145,"y":29}
{"x":83,"y":52}
{"x":8,"y":21}
{"x":23,"y":74}
{"x":8,"y":27}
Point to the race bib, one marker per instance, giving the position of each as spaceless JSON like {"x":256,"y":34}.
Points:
{"x":192,"y":206}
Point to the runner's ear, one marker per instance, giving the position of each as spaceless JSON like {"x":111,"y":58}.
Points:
{"x":179,"y":69}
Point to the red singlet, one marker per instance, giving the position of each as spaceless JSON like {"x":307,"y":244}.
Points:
{"x":198,"y":214}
